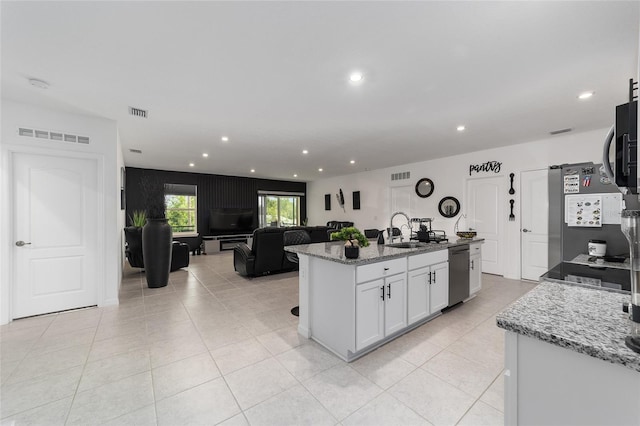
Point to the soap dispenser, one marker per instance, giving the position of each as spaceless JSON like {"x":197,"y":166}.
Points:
{"x":380,"y":237}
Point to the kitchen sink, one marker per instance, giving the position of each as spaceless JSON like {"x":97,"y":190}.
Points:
{"x":407,"y":244}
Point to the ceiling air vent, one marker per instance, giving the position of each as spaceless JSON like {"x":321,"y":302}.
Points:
{"x":137,"y":112}
{"x":136,"y":151}
{"x":400,"y":176}
{"x":54,"y":136}
{"x":557,"y":132}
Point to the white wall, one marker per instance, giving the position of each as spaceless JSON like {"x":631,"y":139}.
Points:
{"x":450,"y":176}
{"x":104,"y":146}
{"x":121,"y":215}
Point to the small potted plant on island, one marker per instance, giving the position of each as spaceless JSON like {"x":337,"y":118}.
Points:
{"x":354,"y":239}
{"x":156,"y":234}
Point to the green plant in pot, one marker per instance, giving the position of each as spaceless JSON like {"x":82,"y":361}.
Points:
{"x":354,"y":239}
{"x":156,"y":234}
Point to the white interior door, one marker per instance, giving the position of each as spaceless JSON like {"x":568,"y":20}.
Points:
{"x":486,"y":213}
{"x":56,"y":217}
{"x":534,"y":216}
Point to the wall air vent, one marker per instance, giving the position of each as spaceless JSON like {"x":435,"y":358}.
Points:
{"x":557,"y":132}
{"x":52,"y":135}
{"x":137,"y":112}
{"x":400,"y":176}
{"x":136,"y":151}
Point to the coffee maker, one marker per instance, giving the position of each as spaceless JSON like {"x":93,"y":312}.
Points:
{"x":625,"y":177}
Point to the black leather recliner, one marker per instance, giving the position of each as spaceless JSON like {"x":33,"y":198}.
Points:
{"x":133,"y":250}
{"x":266,"y":255}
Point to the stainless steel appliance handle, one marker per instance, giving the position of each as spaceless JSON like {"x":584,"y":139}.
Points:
{"x":605,"y":155}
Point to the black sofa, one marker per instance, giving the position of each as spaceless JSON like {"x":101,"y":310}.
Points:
{"x":133,"y":250}
{"x":266,"y":254}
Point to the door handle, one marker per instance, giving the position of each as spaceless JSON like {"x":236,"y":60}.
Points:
{"x":21,"y":243}
{"x":526,"y":230}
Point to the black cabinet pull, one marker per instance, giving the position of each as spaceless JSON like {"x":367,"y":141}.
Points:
{"x":389,"y":291}
{"x":434,"y":277}
{"x":472,"y":264}
{"x":382,"y":288}
{"x":429,"y":277}
{"x":386,"y":269}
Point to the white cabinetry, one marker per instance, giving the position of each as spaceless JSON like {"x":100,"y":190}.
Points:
{"x":381,"y":309}
{"x":428,"y":285}
{"x":475,"y":268}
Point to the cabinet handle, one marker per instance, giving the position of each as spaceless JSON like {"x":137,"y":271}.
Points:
{"x":382,"y":288}
{"x":472,"y":264}
{"x":389,"y":291}
{"x":434,"y":277}
{"x":429,"y":277}
{"x":386,"y":269}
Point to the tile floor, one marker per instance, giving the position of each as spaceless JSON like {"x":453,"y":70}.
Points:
{"x":215,"y":348}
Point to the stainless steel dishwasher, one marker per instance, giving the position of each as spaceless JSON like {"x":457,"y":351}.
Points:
{"x":458,"y":274}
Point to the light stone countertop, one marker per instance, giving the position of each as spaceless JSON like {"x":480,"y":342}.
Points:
{"x":334,"y":251}
{"x":585,"y":320}
{"x":583,"y":259}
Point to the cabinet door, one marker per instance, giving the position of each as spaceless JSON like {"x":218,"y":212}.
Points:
{"x":395,"y":310}
{"x":369,"y":313}
{"x":439,"y":294}
{"x":418,"y":294}
{"x":475,"y":273}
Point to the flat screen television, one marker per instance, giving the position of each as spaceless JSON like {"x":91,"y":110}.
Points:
{"x":231,"y":221}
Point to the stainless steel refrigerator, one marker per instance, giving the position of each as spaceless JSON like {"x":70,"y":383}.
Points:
{"x":565,"y":241}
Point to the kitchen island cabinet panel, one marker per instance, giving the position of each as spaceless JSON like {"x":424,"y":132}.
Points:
{"x":439,"y":288}
{"x":395,"y":309}
{"x":369,"y":313}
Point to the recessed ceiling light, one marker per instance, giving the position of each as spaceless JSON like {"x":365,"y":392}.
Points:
{"x":38,"y":83}
{"x":225,"y":139}
{"x":585,"y":95}
{"x":304,"y":151}
{"x":191,"y":165}
{"x":295,"y":175}
{"x":320,"y":169}
{"x":253,"y":170}
{"x":353,"y":161}
{"x":356,"y":77}
{"x":460,"y":128}
{"x":205,"y":155}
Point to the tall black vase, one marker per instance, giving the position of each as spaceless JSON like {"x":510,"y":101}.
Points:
{"x":156,"y":251}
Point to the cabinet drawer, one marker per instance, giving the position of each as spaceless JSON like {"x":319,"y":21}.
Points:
{"x":381,"y":269}
{"x":474,"y":248}
{"x":426,"y":259}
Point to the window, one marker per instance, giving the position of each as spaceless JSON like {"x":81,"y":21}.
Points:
{"x":182,"y":207}
{"x":279,"y":209}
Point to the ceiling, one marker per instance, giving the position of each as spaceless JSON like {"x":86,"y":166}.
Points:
{"x":274,"y":77}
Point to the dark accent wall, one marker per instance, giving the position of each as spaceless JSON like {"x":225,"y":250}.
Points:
{"x":214,"y":191}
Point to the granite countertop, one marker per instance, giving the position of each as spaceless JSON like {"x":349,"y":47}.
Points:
{"x":334,"y":251}
{"x":583,"y":259}
{"x":585,"y":320}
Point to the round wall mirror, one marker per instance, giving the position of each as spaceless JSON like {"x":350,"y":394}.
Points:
{"x":449,"y":206}
{"x":424,"y":187}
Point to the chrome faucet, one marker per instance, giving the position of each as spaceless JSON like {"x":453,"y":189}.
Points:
{"x":391,"y":236}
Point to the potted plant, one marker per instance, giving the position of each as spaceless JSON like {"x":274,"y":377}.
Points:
{"x":156,"y":234}
{"x":354,"y":239}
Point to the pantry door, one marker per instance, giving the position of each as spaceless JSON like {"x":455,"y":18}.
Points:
{"x":534,"y":193}
{"x":55,"y":220}
{"x":486,"y":213}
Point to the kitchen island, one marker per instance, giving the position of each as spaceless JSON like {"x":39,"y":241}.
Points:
{"x":566,"y":361}
{"x":352,"y":306}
